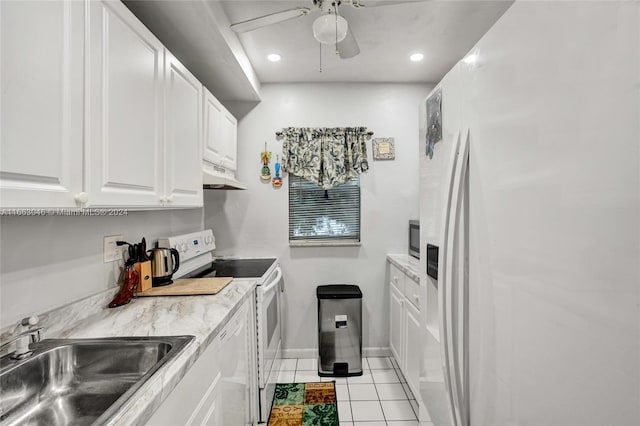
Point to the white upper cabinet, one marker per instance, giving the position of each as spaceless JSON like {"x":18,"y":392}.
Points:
{"x":220,"y":134}
{"x":41,"y":82}
{"x":213,"y":111}
{"x":95,"y":112}
{"x":183,"y":136}
{"x":124,"y":120}
{"x":229,"y":141}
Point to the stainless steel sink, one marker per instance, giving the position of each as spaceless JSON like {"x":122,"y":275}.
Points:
{"x":80,"y":381}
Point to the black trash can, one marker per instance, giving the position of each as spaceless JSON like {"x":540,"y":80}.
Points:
{"x":339,"y":330}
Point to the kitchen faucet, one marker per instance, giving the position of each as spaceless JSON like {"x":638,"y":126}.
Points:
{"x":22,"y":338}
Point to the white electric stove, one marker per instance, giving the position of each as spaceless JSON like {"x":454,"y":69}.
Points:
{"x":197,"y":261}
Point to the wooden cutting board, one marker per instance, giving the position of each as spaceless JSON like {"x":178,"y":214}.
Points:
{"x":189,"y":286}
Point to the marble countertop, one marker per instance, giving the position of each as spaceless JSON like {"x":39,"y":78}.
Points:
{"x":407,"y":264}
{"x":199,"y":316}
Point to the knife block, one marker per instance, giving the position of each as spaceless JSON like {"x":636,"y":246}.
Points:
{"x":144,"y":271}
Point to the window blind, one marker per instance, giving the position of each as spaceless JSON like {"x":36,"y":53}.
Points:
{"x":316,"y":217}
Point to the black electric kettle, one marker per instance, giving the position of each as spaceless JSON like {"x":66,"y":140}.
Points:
{"x":164,"y":263}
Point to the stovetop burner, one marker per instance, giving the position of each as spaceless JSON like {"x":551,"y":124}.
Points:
{"x":237,"y":268}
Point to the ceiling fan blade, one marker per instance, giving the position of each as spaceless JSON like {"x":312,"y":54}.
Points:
{"x":348,"y":48}
{"x":270,"y":19}
{"x":376,"y":3}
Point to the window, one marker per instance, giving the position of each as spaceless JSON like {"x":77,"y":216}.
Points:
{"x":319,"y":217}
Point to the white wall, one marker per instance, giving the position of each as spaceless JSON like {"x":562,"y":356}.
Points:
{"x":49,"y":261}
{"x":255,"y":222}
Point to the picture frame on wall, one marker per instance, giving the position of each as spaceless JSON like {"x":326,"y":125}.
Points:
{"x":434,"y":121}
{"x":384,"y":149}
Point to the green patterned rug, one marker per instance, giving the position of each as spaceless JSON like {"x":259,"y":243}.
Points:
{"x":304,"y":404}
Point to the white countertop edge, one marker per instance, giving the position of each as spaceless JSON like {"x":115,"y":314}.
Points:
{"x":407,"y":264}
{"x":168,"y":316}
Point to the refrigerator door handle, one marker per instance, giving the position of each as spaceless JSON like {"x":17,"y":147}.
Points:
{"x":455,"y":288}
{"x":443,"y":279}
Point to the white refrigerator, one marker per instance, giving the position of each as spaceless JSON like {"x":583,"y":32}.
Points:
{"x":533,"y":200}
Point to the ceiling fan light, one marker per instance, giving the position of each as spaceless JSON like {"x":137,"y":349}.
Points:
{"x":324,"y":28}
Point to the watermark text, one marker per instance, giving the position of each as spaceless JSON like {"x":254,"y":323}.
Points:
{"x":63,"y":212}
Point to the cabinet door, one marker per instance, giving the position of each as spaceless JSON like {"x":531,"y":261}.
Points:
{"x":252,"y":359}
{"x":183,"y":136}
{"x":216,"y":390}
{"x":236,"y":397}
{"x":412,"y":291}
{"x":41,"y":107}
{"x":213,"y":145}
{"x":397,"y":277}
{"x":233,"y":406}
{"x":230,"y":141}
{"x":191,"y":400}
{"x":124,"y":118}
{"x":412,"y":348}
{"x":396,"y":326}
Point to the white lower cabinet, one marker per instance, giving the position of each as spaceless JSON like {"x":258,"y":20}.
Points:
{"x":412,"y":347}
{"x":220,"y":388}
{"x":396,"y":323}
{"x":233,"y":400}
{"x":404,"y":325}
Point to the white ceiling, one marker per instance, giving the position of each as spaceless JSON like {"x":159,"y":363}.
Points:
{"x":444,"y":31}
{"x":232,"y":68}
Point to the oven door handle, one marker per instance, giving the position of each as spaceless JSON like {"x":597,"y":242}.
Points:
{"x":273,"y":283}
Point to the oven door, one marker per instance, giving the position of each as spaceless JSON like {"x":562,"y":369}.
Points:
{"x":269,"y":322}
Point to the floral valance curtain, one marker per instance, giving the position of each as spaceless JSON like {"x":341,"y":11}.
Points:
{"x":326,"y":156}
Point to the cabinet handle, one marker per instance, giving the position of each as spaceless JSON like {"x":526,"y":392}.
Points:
{"x":416,"y":298}
{"x":169,"y":199}
{"x":82,"y":197}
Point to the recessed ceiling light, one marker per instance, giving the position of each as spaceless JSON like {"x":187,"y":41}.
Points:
{"x":416,"y":57}
{"x":274,"y":57}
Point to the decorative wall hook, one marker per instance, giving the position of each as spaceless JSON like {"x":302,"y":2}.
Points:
{"x":265,"y":156}
{"x":277,"y":180}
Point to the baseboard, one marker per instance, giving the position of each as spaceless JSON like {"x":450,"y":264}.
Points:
{"x":299,"y":353}
{"x":313,"y":353}
{"x":376,"y":352}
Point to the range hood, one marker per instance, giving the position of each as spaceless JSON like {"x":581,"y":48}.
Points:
{"x":215,"y":181}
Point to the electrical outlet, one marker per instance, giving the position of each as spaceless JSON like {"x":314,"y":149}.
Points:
{"x":112,"y":252}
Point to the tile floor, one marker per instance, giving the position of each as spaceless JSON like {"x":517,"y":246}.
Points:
{"x":380,"y":397}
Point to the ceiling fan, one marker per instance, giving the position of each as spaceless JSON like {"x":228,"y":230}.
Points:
{"x":329,"y":28}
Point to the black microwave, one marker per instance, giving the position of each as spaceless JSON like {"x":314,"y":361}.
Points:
{"x":414,"y":238}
